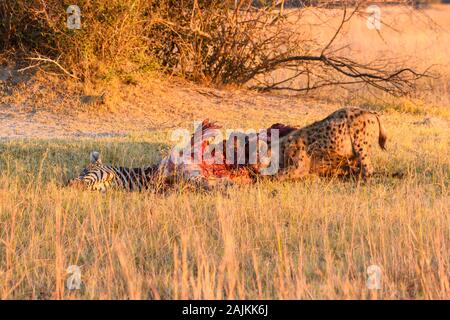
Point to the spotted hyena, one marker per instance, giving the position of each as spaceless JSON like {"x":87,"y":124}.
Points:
{"x":338,"y":144}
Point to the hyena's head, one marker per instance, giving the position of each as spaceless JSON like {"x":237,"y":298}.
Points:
{"x":263,"y":149}
{"x":93,"y":177}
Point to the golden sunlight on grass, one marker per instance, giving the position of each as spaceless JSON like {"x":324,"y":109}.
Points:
{"x":312,"y":239}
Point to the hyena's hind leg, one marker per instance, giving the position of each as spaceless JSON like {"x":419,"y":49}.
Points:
{"x":361,"y":148}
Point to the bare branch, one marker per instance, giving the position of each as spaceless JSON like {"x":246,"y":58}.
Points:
{"x":48,"y":60}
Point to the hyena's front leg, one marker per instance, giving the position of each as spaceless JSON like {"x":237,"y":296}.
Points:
{"x":296,"y":162}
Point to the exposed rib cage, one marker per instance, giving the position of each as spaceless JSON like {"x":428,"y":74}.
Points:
{"x":99,"y":176}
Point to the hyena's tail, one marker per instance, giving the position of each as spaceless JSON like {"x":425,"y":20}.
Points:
{"x":381,"y":134}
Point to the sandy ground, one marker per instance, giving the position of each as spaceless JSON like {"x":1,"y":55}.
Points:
{"x":44,"y":107}
{"x":38,"y":107}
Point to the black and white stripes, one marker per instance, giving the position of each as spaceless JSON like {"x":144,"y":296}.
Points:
{"x":100,"y":177}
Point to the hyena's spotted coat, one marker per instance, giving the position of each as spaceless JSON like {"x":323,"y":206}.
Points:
{"x":338,"y":144}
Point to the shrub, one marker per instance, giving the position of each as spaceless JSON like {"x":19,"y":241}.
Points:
{"x":112,"y":33}
{"x":217,"y":41}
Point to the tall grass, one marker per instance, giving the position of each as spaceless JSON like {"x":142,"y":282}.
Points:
{"x":311,"y":239}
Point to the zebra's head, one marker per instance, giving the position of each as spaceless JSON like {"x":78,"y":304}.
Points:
{"x":93,"y":177}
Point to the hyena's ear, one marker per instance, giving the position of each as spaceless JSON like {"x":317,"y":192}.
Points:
{"x":94,"y":157}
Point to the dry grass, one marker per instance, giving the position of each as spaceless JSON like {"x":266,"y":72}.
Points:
{"x":311,"y":239}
